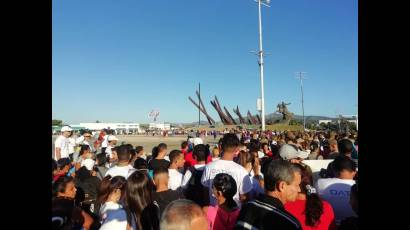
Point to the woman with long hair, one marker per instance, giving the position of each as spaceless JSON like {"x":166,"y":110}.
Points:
{"x":139,"y":201}
{"x":308,"y":208}
{"x":251,"y":164}
{"x":113,"y":214}
{"x":224,"y":215}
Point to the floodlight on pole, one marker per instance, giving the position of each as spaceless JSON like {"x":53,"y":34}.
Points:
{"x":261,"y":54}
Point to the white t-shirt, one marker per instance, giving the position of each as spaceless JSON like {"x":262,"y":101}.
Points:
{"x":337,"y":192}
{"x":81,"y":141}
{"x":71,"y":145}
{"x":243,"y":181}
{"x":123,"y":171}
{"x":63,"y":143}
{"x":104,"y":143}
{"x":113,"y":216}
{"x":175,"y":179}
{"x":188,"y":175}
{"x":108,"y":150}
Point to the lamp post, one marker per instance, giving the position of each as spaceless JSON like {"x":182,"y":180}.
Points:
{"x":301,"y":77}
{"x":260,"y":54}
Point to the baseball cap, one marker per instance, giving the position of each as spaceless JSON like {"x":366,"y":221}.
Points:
{"x":66,"y":129}
{"x":288,"y":152}
{"x":195,"y":141}
{"x":88,"y":163}
{"x":112,"y":138}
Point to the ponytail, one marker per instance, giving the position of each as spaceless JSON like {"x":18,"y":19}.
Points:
{"x":230,"y":203}
{"x":155,"y":152}
{"x":313,"y":207}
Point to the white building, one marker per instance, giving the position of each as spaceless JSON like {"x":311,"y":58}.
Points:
{"x":325,"y":121}
{"x":120,"y":128}
{"x":161,"y":126}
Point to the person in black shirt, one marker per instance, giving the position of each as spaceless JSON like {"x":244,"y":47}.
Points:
{"x":163,"y":195}
{"x":193,"y":188}
{"x":282,"y":181}
{"x":158,"y":160}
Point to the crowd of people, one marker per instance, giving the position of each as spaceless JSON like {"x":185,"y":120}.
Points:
{"x":249,"y":180}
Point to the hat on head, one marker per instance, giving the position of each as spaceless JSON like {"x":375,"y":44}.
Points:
{"x":196,"y":141}
{"x":66,"y":129}
{"x":288,"y":152}
{"x":88,"y":163}
{"x":112,"y":138}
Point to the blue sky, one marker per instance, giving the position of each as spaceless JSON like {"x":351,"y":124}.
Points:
{"x":116,"y":60}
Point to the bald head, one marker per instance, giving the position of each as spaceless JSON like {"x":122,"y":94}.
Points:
{"x":183,"y":215}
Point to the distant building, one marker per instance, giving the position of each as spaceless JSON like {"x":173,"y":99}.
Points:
{"x":325,"y":121}
{"x":120,"y":128}
{"x":161,"y":126}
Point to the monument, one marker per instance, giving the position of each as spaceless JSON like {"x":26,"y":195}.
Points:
{"x":286,"y":115}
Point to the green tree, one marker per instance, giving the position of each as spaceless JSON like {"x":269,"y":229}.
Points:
{"x":56,"y":122}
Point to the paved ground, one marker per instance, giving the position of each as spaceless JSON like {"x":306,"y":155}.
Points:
{"x":148,"y":142}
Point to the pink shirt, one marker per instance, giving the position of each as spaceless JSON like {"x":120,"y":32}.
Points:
{"x":219,"y":219}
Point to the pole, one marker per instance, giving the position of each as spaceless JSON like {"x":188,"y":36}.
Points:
{"x":301,"y":90}
{"x":199,"y":111}
{"x":303,"y":107}
{"x":261,"y":66}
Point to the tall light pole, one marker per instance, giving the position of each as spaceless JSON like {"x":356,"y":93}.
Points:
{"x":260,"y":54}
{"x":301,"y":77}
{"x":199,"y":111}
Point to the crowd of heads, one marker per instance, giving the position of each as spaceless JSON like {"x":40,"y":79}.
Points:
{"x":202,"y":186}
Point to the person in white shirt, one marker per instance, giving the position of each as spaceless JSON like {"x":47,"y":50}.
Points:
{"x":336,"y":191}
{"x":104,"y":142}
{"x":62,"y":143}
{"x":85,"y":139}
{"x":250,"y":162}
{"x":112,"y":213}
{"x":177,"y":161}
{"x":215,"y":153}
{"x":230,"y":146}
{"x":112,"y":142}
{"x":71,"y":145}
{"x":122,"y":168}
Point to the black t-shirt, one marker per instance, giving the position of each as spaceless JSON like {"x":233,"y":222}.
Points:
{"x":155,"y":164}
{"x":166,"y":197}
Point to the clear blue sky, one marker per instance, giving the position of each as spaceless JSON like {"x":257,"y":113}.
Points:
{"x":116,"y":60}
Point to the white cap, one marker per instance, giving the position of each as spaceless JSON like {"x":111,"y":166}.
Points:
{"x":66,"y":129}
{"x":197,"y":141}
{"x":112,"y":138}
{"x":88,"y":163}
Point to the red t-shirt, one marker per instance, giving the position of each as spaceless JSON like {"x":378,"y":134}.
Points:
{"x":190,"y":161}
{"x":297,"y":209}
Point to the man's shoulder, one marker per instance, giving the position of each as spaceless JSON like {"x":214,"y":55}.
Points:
{"x":263,"y":214}
{"x":324,"y":183}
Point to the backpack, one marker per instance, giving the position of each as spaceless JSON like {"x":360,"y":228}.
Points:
{"x":195,"y":190}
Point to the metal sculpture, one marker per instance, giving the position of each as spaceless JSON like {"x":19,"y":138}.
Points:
{"x":201,"y":107}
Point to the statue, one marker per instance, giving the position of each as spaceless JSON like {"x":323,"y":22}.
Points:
{"x":286,"y":115}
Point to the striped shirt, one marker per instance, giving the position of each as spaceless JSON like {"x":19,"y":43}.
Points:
{"x":266,"y":212}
